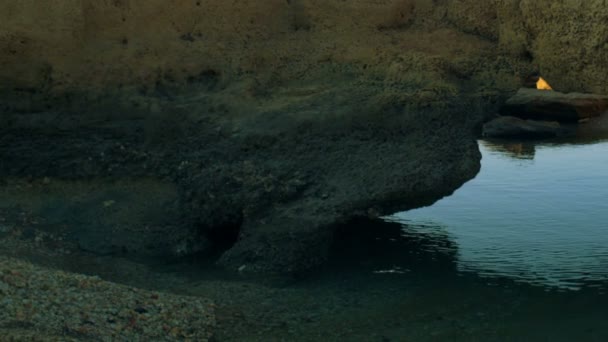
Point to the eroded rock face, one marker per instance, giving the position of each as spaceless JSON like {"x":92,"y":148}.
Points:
{"x":568,"y":42}
{"x":474,"y":17}
{"x":88,"y":43}
{"x":564,"y":40}
{"x":92,"y":44}
{"x":277,"y":182}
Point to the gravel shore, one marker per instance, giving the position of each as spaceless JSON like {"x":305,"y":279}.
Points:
{"x":38,"y":304}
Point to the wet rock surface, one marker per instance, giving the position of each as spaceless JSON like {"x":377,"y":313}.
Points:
{"x":102,"y":216}
{"x":552,"y":105}
{"x":512,"y":127}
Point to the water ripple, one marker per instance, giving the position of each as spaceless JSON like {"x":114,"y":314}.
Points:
{"x":541,"y":218}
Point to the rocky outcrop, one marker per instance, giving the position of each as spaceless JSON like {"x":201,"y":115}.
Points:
{"x":512,"y":127}
{"x":552,"y":105}
{"x":567,"y":41}
{"x":56,"y":55}
{"x":271,"y":191}
{"x":92,"y":45}
{"x":564,"y":40}
{"x":276,"y":120}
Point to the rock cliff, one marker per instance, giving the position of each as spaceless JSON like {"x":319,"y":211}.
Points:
{"x":92,"y":44}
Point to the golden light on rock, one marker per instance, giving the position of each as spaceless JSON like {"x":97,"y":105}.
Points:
{"x":541,"y":84}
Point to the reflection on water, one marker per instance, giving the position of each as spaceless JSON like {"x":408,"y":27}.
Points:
{"x":536,"y":213}
{"x":517,"y":150}
{"x":381,"y":247}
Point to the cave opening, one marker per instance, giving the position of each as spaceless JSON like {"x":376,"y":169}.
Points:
{"x":223,"y":236}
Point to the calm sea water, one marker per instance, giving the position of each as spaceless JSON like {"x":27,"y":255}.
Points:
{"x":536,"y":213}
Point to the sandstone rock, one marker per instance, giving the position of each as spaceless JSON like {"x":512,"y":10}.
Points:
{"x":567,"y":40}
{"x":551,"y":105}
{"x":509,"y":126}
{"x":90,"y":45}
{"x":470,"y":17}
{"x":87,"y":43}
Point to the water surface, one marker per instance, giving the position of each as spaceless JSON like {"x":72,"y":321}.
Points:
{"x":536,"y":213}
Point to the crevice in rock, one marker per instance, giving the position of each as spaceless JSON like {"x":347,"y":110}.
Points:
{"x":223,"y":236}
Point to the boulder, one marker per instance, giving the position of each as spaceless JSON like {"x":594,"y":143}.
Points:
{"x":522,"y":150}
{"x":510,"y":126}
{"x":554,"y":106}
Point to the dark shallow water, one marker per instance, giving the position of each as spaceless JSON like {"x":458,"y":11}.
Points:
{"x":536,"y":213}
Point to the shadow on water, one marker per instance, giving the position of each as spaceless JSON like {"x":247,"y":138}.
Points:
{"x":428,"y":253}
{"x":409,"y":283}
{"x":375,"y":246}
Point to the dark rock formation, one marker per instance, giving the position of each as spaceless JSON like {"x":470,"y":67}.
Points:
{"x":274,"y":120}
{"x":271,"y":191}
{"x":512,"y":127}
{"x":551,"y":105}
